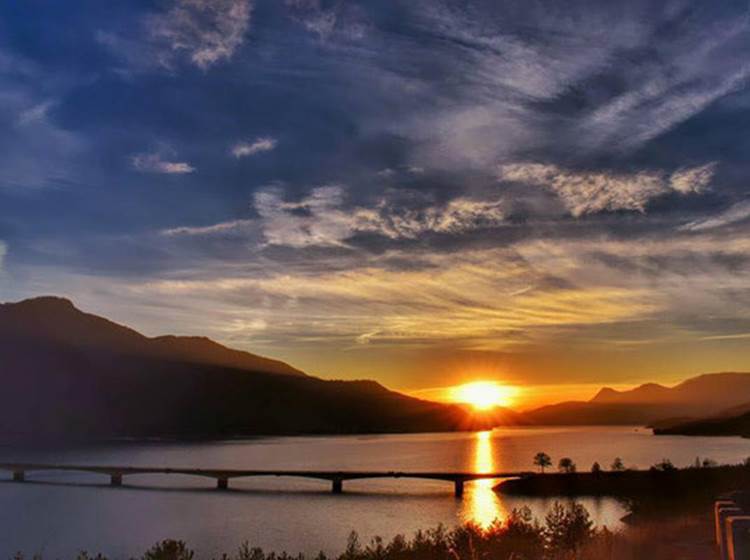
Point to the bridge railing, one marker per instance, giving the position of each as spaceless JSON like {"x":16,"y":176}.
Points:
{"x":732,"y":526}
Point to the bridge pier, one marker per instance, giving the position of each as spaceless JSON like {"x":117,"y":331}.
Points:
{"x":222,"y":483}
{"x":19,"y":476}
{"x":458,"y":488}
{"x":115,"y":479}
{"x":337,"y":486}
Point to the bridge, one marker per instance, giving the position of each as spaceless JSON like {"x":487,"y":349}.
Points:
{"x":223,"y":476}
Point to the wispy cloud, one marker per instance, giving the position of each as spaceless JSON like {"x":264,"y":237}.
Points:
{"x":572,"y":80}
{"x":3,"y":252}
{"x":736,"y":336}
{"x":342,"y":19}
{"x":257,"y":146}
{"x":587,"y":192}
{"x":214,"y":229}
{"x":206,"y":31}
{"x":35,"y":114}
{"x":322,"y":218}
{"x":457,"y":216}
{"x":471,"y":298}
{"x":37,"y":152}
{"x":693,"y":179}
{"x":153,"y":163}
{"x":696,"y":68}
{"x":736,"y":213}
{"x":317,"y":219}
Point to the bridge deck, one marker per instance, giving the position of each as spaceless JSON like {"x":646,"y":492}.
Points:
{"x":222,"y":476}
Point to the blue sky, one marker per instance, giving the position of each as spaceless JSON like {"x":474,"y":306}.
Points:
{"x":421,"y":192}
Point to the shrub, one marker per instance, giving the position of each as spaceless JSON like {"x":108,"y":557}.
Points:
{"x":665,"y":465}
{"x":169,"y":550}
{"x":567,"y":529}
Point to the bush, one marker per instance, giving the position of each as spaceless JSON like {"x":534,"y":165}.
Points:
{"x":169,"y":550}
{"x":665,"y":465}
{"x":567,"y":529}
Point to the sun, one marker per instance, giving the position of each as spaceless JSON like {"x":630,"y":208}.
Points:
{"x":483,"y":395}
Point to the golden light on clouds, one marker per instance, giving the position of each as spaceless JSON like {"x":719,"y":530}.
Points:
{"x":481,"y":300}
{"x":483,"y":395}
{"x":546,"y":315}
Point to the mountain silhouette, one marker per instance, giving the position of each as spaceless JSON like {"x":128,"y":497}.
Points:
{"x":651,"y":403}
{"x":57,"y":320}
{"x":646,"y":393}
{"x":734,"y":421}
{"x":67,"y":374}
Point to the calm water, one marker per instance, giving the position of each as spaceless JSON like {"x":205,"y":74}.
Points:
{"x":59,"y":514}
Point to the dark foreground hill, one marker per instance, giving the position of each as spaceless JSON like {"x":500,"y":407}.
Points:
{"x":732,"y":422}
{"x":68,"y":374}
{"x":697,"y":397}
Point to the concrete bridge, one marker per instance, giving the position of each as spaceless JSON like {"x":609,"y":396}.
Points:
{"x":222,"y":476}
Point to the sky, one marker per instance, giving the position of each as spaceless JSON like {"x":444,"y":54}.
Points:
{"x":552,"y":195}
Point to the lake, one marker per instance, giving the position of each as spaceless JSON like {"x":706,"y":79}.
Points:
{"x":59,"y":514}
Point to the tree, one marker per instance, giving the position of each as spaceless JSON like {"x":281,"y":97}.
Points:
{"x":596,"y":468}
{"x":169,"y":550}
{"x":567,"y":529}
{"x":665,"y":465}
{"x":566,"y":465}
{"x":542,"y":460}
{"x":617,"y":465}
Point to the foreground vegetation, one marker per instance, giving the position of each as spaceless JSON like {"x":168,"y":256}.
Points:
{"x":567,"y":533}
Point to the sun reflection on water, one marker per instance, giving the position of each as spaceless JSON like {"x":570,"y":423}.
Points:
{"x":483,"y":504}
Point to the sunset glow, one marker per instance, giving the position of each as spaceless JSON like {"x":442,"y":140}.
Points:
{"x":479,"y":270}
{"x":484,"y":395}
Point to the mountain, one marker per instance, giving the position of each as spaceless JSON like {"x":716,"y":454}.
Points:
{"x":647,"y":393}
{"x":704,"y":395}
{"x":712,"y":391}
{"x":717,"y":426}
{"x":56,"y":320}
{"x":734,"y":421}
{"x":70,"y":374}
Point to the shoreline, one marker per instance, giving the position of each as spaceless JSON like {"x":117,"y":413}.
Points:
{"x":644,"y":486}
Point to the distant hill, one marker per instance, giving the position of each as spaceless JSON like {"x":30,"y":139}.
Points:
{"x":652,"y":393}
{"x":69,"y":374}
{"x":711,"y":391}
{"x":734,"y":421}
{"x":697,"y":397}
